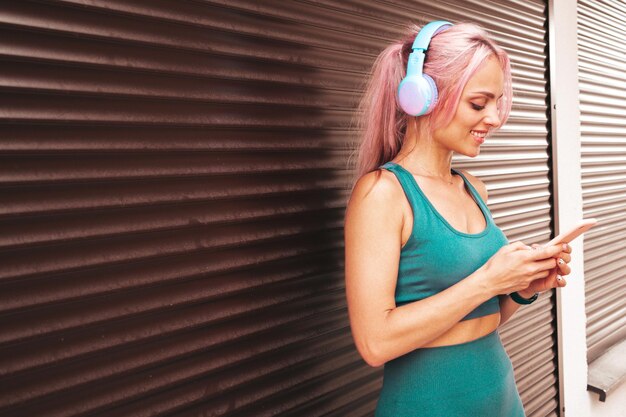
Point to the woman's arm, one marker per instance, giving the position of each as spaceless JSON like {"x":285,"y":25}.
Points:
{"x":508,"y":307}
{"x":373,"y":231}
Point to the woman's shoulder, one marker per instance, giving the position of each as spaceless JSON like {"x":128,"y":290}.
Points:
{"x":477,"y":184}
{"x":373,"y":211}
{"x":378,"y":185}
{"x":374,"y":192}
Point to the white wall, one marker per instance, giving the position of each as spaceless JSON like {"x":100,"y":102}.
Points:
{"x":568,"y":205}
{"x":576,"y":401}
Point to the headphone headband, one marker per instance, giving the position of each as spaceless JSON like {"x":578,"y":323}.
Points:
{"x":422,"y":40}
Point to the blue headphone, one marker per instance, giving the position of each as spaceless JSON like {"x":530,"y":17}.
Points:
{"x":417,"y":93}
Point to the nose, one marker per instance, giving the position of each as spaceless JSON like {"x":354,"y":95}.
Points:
{"x":493,"y":117}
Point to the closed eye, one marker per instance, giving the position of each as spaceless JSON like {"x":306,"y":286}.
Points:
{"x":477,"y":107}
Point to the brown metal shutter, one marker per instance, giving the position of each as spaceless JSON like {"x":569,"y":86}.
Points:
{"x":172,"y":196}
{"x":172,"y":210}
{"x":601,"y":57}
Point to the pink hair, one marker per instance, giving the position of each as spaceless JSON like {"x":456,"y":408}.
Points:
{"x":454,"y":55}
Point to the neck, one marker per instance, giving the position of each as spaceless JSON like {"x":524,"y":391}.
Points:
{"x":421,"y":154}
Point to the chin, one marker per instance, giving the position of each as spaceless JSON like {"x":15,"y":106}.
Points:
{"x":471,"y":154}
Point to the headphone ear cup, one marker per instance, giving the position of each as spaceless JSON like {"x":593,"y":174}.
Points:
{"x":434,"y":94}
{"x":415,"y":94}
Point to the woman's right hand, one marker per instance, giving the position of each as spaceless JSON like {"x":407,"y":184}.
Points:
{"x":515,"y":266}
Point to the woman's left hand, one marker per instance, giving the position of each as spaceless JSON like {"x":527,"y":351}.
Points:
{"x":555,"y":279}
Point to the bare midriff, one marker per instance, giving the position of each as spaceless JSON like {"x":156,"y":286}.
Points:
{"x":467,"y":330}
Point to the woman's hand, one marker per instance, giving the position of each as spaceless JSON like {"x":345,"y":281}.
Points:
{"x":516,"y":267}
{"x":555,"y":278}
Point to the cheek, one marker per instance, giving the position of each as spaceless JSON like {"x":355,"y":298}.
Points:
{"x":464,"y":119}
{"x":463,"y":125}
{"x":468,"y":118}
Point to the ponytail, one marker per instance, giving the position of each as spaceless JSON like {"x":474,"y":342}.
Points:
{"x":380,"y":121}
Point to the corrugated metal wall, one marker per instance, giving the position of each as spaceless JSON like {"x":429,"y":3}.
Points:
{"x":172,"y":192}
{"x":601,"y":63}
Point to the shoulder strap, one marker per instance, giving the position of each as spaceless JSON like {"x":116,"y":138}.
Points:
{"x":475,"y":193}
{"x":410,"y":187}
{"x":401,"y":174}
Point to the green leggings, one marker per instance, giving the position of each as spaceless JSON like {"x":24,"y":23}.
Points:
{"x":473,"y":379}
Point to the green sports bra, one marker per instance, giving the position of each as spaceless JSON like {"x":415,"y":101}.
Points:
{"x":437,"y":256}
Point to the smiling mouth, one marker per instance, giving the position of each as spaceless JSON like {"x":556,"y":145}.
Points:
{"x":479,"y":134}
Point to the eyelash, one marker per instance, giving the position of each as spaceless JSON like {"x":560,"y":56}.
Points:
{"x":477,"y":107}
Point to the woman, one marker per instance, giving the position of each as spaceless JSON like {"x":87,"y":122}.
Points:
{"x":429,"y":276}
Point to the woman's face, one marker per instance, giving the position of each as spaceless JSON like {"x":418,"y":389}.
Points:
{"x":477,"y":112}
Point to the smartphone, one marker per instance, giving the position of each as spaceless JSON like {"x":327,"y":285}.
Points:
{"x":573,"y":233}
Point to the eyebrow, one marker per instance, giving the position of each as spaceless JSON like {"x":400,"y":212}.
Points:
{"x":487,"y":93}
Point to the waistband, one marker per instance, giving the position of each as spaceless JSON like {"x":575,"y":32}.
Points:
{"x":493,"y":336}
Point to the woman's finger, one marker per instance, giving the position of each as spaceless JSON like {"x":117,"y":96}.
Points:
{"x":551,"y":281}
{"x":555,"y":281}
{"x":546,"y":264}
{"x":566,"y":257}
{"x":543,"y":252}
{"x":564,"y":268}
